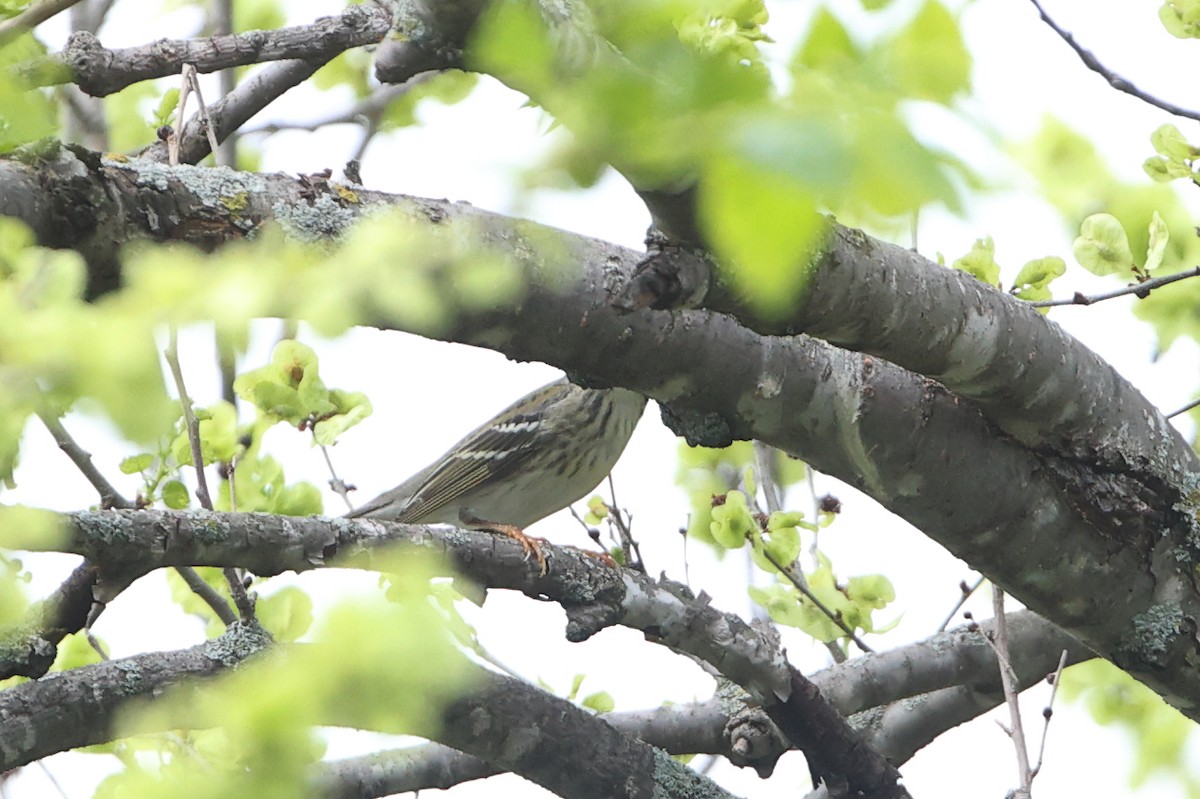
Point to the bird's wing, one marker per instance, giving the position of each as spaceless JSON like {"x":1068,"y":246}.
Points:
{"x":491,"y":452}
{"x":500,"y":446}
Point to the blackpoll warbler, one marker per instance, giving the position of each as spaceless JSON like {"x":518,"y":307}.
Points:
{"x":537,"y":456}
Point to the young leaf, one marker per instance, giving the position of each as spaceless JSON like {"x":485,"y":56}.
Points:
{"x":1102,"y":247}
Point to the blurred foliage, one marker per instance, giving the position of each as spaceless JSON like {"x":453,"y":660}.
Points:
{"x":834,"y":138}
{"x":253,"y":731}
{"x":1138,"y":218}
{"x":1159,"y":734}
{"x":722,"y":485}
{"x":25,"y":115}
{"x":674,"y":94}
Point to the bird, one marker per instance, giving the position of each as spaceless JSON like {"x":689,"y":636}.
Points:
{"x":537,"y":456}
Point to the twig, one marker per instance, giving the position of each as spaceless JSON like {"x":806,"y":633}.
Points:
{"x":191,"y":423}
{"x":1008,"y":681}
{"x":1114,"y":80}
{"x":53,"y":781}
{"x":206,"y":592}
{"x":1184,"y":409}
{"x":241,"y":599}
{"x":190,"y":85}
{"x":966,"y":592}
{"x":798,"y":582}
{"x":1142,"y":290}
{"x":1049,"y":712}
{"x":220,"y":13}
{"x":624,"y":527}
{"x":816,"y":505}
{"x":336,"y":483}
{"x":93,"y":641}
{"x":109,"y":496}
{"x":34,"y":15}
{"x":769,"y":482}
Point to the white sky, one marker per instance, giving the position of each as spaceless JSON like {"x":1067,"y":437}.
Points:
{"x":473,"y":152}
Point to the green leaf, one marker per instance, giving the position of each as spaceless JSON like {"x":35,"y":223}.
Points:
{"x":980,"y":262}
{"x":765,"y":228}
{"x":31,"y":528}
{"x":25,"y":115}
{"x":1033,"y":281}
{"x":287,"y":613}
{"x":732,"y":521}
{"x":1041,"y":271}
{"x":175,"y":495}
{"x":1159,"y":236}
{"x":600,"y":702}
{"x":929,"y":60}
{"x":780,"y":519}
{"x":165,"y":113}
{"x":1181,"y":18}
{"x":136,"y":463}
{"x":1102,"y":247}
{"x":349,"y":408}
{"x":828,"y":43}
{"x":1168,"y":141}
{"x":874,"y":590}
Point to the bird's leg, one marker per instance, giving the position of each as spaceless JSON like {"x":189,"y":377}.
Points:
{"x":531,"y":545}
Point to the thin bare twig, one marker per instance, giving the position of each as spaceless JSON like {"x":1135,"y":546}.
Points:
{"x":1049,"y":711}
{"x":190,"y":85}
{"x":53,"y":781}
{"x":241,"y":599}
{"x":1008,"y":680}
{"x":1194,"y":403}
{"x":811,"y":480}
{"x":1114,"y":80}
{"x":1142,"y":290}
{"x":623,"y":523}
{"x":206,"y":592}
{"x":799,"y":583}
{"x":109,"y":496}
{"x":768,"y":480}
{"x":967,"y":591}
{"x":34,"y":15}
{"x":220,"y":13}
{"x":336,"y":483}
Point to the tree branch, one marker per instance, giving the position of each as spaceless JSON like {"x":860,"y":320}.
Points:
{"x":1142,"y":290}
{"x":1116,"y":81}
{"x":998,"y":504}
{"x":29,"y":648}
{"x":33,"y":15}
{"x":100,"y":71}
{"x":576,"y":581}
{"x":511,"y":723}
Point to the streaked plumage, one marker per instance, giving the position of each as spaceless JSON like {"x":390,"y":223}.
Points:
{"x":543,"y":452}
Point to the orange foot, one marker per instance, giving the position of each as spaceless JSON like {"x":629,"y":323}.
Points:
{"x":531,"y":545}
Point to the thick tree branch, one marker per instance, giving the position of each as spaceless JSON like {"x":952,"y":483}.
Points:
{"x":78,"y":708}
{"x":510,"y":723}
{"x":100,"y":71}
{"x":577,"y":582}
{"x":29,"y":649}
{"x":593,"y":596}
{"x":129,"y":543}
{"x":430,"y":35}
{"x":1128,"y":518}
{"x":872,"y":297}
